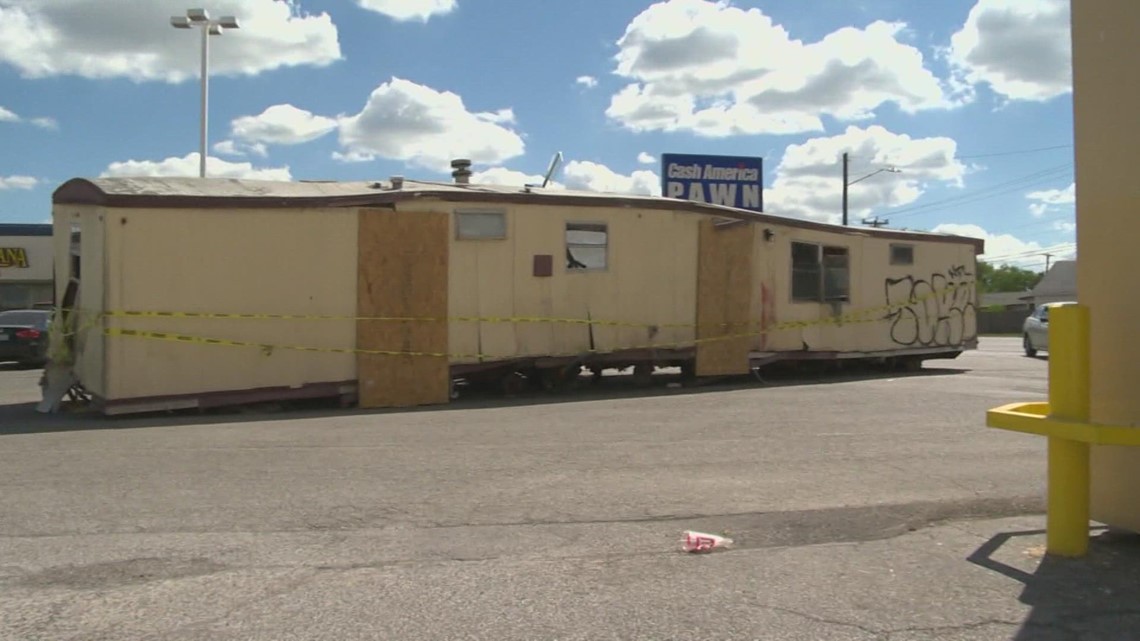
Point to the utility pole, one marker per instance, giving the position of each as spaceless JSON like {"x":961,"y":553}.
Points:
{"x":847,"y":182}
{"x":876,"y":222}
{"x":845,"y":162}
{"x":1047,"y":257}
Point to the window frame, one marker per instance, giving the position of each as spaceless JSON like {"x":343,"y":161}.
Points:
{"x":907,"y":246}
{"x":818,"y":269}
{"x":821,"y":270}
{"x":586,"y":225}
{"x":846,"y":297}
{"x":500,"y":213}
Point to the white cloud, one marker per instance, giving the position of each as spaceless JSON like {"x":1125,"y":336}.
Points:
{"x":228,"y":148}
{"x":587,"y":81}
{"x":1051,"y":199}
{"x":591,"y":176}
{"x":579,"y":175}
{"x":18,"y":182}
{"x":233,"y":148}
{"x":282,"y":125}
{"x":718,"y":70}
{"x":500,"y":117}
{"x":1064,"y":226}
{"x":420,"y":10}
{"x":1020,"y":48}
{"x":510,"y":178}
{"x":1004,"y":248}
{"x":646,"y":158}
{"x":7,"y":115}
{"x":809,"y":178}
{"x":354,"y":156}
{"x":406,"y":121}
{"x":131,"y":39}
{"x":188,"y":166}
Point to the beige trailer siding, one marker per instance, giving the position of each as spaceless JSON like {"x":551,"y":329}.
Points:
{"x":292,"y":261}
{"x":650,"y":278}
{"x":940,"y":278}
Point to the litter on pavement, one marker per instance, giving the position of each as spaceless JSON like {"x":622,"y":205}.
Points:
{"x":702,"y":542}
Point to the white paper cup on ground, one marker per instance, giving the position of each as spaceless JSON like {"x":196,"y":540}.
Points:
{"x":703,"y":542}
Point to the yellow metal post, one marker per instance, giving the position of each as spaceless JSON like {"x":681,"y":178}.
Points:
{"x":1067,"y":529}
{"x":1067,"y":523}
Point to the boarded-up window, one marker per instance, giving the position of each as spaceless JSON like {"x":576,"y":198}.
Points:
{"x":805,"y":272}
{"x":820,"y":274}
{"x":480,"y":225}
{"x":587,"y":246}
{"x":902,"y":254}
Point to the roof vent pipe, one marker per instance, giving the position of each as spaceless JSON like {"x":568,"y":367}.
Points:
{"x":397,"y":182}
{"x":461,"y":171}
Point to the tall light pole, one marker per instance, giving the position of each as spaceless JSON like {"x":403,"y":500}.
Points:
{"x":200,"y":18}
{"x":847,"y":183}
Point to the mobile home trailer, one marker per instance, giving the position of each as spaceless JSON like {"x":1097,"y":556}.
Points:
{"x":188,"y":292}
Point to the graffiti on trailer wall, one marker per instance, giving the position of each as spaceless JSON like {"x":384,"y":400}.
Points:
{"x":938,"y":312}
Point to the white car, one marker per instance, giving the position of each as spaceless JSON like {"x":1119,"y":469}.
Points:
{"x":1035,"y":330}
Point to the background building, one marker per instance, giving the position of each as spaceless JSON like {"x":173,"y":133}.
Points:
{"x":26,"y":265}
{"x":1059,"y":285}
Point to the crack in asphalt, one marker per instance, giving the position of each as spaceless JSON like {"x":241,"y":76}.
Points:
{"x":750,"y":529}
{"x":818,"y":619}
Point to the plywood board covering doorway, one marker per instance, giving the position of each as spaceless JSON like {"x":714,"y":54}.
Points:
{"x":402,"y":273}
{"x":724,"y":287}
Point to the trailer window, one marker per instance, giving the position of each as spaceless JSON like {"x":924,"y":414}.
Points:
{"x":836,"y":274}
{"x":805,"y":272}
{"x":820,"y":274}
{"x":902,"y":254}
{"x":587,"y":246}
{"x":481,"y":225}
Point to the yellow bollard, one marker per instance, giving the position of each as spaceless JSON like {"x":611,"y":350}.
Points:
{"x":1067,"y":522}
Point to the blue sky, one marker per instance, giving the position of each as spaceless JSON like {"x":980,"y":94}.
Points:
{"x":969,"y":99}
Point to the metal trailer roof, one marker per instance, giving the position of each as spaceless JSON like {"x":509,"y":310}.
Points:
{"x":233,"y":193}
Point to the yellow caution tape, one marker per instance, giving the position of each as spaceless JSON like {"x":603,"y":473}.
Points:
{"x":870,"y":315}
{"x":845,"y":318}
{"x":265,"y":347}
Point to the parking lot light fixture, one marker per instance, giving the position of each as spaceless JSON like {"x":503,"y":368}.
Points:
{"x":200,"y":18}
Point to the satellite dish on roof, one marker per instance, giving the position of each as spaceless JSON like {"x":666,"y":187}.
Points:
{"x":554,"y":162}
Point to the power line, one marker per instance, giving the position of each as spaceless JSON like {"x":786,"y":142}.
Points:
{"x":1035,"y":252}
{"x":993,"y":154}
{"x":1015,"y":153}
{"x":986,"y":193}
{"x":1062,"y":247}
{"x":1041,"y":250}
{"x":1035,"y":223}
{"x":1038,"y":234}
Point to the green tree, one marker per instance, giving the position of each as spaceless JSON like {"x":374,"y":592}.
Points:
{"x":1006,"y":278}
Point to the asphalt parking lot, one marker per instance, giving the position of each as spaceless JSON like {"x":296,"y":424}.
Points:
{"x":853,"y":503}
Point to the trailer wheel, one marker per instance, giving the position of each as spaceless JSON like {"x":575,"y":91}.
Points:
{"x":643,"y":375}
{"x":513,"y":384}
{"x":557,"y":379}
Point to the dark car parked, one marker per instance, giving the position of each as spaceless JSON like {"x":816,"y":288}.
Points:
{"x":24,"y":336}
